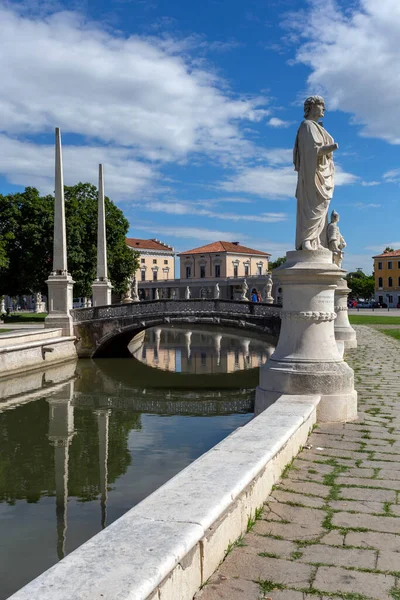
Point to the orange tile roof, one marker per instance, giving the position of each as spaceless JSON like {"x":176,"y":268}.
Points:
{"x":224,"y":247}
{"x":153,"y":244}
{"x":385,"y":254}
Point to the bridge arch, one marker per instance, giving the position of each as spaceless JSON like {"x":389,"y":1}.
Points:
{"x":106,"y":330}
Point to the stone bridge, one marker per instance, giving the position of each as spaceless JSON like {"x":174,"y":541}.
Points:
{"x":107,"y":330}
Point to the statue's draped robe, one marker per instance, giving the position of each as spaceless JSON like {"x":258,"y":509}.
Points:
{"x":314,"y":185}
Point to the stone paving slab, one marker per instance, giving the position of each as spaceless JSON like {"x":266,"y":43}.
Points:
{"x":331,"y":527}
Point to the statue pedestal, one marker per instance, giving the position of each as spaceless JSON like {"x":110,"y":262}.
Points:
{"x":269,"y":301}
{"x":60,"y":285}
{"x":306,"y":360}
{"x":343,"y":330}
{"x":101,"y":292}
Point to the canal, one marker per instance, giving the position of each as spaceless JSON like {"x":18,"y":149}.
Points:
{"x":82,"y":443}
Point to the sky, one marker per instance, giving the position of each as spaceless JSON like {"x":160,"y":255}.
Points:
{"x":193,"y":108}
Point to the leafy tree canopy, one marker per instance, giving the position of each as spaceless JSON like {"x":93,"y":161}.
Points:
{"x":274,"y":264}
{"x":26,"y":234}
{"x":388,"y":249}
{"x":360,"y":284}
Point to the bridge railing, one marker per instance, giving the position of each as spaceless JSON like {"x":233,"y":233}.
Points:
{"x":169,"y":307}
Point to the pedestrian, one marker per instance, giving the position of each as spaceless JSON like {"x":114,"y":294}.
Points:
{"x":254,"y":295}
{"x":259,"y":297}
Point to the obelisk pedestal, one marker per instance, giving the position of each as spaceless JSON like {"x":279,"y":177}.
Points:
{"x":101,"y":287}
{"x":306,"y":360}
{"x":60,"y":283}
{"x":343,"y":330}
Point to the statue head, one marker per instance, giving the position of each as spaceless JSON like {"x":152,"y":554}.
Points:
{"x":311,"y":102}
{"x":334,"y":216}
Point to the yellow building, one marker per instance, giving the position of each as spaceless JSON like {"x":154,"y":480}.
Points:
{"x":387,"y":278}
{"x":157,"y":260}
{"x":222,"y":260}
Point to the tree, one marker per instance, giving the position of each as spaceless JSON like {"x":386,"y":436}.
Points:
{"x":274,"y":264}
{"x":360,"y":284}
{"x":27,"y":222}
{"x":388,"y":249}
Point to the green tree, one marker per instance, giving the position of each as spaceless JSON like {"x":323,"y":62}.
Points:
{"x":274,"y":264}
{"x":388,"y":249}
{"x":361,"y":285}
{"x":26,"y":231}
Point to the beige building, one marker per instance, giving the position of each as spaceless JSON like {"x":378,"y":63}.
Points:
{"x":387,"y":278}
{"x":221,"y":260}
{"x":157,"y":260}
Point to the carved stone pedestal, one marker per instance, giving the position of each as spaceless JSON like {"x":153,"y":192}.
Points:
{"x":306,"y":360}
{"x":101,"y":292}
{"x":343,"y":330}
{"x":60,"y":302}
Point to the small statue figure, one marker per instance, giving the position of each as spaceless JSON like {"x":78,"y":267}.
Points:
{"x":313,"y":161}
{"x":268,"y":290}
{"x":336,"y":242}
{"x":245,"y":289}
{"x":216,"y":292}
{"x":187,"y":293}
{"x":156,"y":294}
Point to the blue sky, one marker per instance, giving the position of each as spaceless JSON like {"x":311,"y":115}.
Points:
{"x":193,"y":108}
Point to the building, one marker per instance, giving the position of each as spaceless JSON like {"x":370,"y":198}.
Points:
{"x":387,"y":278}
{"x":225,"y":263}
{"x":157,"y":260}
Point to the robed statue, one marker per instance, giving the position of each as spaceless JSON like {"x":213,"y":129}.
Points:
{"x":313,"y":161}
{"x":336,"y":241}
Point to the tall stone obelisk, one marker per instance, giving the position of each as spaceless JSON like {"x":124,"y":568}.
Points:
{"x":101,"y":287}
{"x":60,"y":283}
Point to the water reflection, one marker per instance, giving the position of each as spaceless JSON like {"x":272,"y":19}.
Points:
{"x":199,"y":350}
{"x":83,"y":442}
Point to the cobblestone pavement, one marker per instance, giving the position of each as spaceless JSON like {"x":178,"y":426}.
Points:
{"x":331,"y":527}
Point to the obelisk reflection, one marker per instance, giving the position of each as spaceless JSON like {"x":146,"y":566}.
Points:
{"x":103,"y":416}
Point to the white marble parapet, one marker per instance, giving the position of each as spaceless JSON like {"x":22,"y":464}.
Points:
{"x":168,"y":545}
{"x":17,"y":357}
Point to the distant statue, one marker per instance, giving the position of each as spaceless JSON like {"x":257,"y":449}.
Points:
{"x":135,"y":290}
{"x":244,"y":290}
{"x":336,"y":241}
{"x":268,"y":290}
{"x":187,"y":293}
{"x":313,"y":161}
{"x":156,"y":294}
{"x":217,"y":292}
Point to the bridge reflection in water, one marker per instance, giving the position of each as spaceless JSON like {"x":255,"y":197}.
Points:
{"x":84,"y":441}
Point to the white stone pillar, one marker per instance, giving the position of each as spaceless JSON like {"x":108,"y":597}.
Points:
{"x":306,"y":360}
{"x":60,"y":282}
{"x":101,"y":287}
{"x":343,"y":330}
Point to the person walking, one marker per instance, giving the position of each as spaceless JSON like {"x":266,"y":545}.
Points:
{"x":254,"y":295}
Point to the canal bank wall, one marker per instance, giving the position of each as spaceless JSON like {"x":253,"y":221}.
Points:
{"x":168,"y":546}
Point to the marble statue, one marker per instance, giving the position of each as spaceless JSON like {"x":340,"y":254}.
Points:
{"x":313,"y":161}
{"x":336,"y":242}
{"x":217,"y":291}
{"x":268,"y":289}
{"x":245,"y":289}
{"x":135,"y":290}
{"x":156,"y":294}
{"x":187,"y":293}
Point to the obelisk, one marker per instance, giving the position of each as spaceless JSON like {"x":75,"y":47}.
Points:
{"x":101,"y":287}
{"x":60,"y":283}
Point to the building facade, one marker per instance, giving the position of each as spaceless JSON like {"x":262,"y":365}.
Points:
{"x":387,"y":278}
{"x":225,"y":263}
{"x":157,"y":260}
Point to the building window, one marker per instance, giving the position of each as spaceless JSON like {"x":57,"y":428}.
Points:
{"x":235,"y":270}
{"x":142,"y":260}
{"x":143,"y":275}
{"x":390,"y":299}
{"x":166,"y":271}
{"x":380,"y":282}
{"x":217,"y":270}
{"x":390,"y":264}
{"x":398,"y":264}
{"x":390,"y":282}
{"x":259,"y":268}
{"x":203,"y":358}
{"x":188,"y":272}
{"x":202,"y":271}
{"x":380,"y":299}
{"x":154,"y":261}
{"x":154,"y":275}
{"x":398,"y":282}
{"x":246,"y":270}
{"x":379,"y":265}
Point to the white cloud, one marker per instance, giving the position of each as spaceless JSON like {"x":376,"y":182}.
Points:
{"x":352,"y":262}
{"x":379,"y":248}
{"x":131,"y":91}
{"x":392,"y":176}
{"x":279,"y":156}
{"x":370,"y":183}
{"x":174,"y":207}
{"x":31,"y":164}
{"x":363,"y":205}
{"x":278,"y":123}
{"x":352,"y":54}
